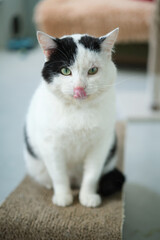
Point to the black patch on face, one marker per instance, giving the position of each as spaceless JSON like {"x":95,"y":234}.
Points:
{"x":91,"y":43}
{"x":62,"y":56}
{"x":111,"y":183}
{"x":28,"y":145}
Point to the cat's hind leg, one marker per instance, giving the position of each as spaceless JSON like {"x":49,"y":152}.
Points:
{"x":37,"y":170}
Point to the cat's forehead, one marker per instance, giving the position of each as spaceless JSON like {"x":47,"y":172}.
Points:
{"x":86,"y":41}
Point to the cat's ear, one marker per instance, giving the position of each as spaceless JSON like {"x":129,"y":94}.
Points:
{"x":109,"y":39}
{"x":47,"y":43}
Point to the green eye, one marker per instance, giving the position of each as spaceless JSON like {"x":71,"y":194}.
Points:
{"x":66,"y":71}
{"x":93,"y":71}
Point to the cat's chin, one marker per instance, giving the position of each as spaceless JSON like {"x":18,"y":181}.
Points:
{"x":80,"y":98}
{"x":72,"y":99}
{"x":80,"y":101}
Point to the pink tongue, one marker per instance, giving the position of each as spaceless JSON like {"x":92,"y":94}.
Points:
{"x":79,"y":92}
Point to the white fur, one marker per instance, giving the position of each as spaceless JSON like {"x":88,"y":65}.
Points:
{"x":72,"y":137}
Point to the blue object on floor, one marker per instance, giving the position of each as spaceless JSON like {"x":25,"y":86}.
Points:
{"x":23,"y":43}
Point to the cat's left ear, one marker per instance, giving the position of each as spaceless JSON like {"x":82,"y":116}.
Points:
{"x":47,"y":43}
{"x":109,"y":39}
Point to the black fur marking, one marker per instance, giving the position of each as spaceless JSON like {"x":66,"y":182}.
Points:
{"x":92,"y":43}
{"x":112,"y":152}
{"x":28,"y":145}
{"x":111,"y":182}
{"x":62,"y":56}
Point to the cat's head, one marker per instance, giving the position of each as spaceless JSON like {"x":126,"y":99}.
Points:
{"x":78,"y":66}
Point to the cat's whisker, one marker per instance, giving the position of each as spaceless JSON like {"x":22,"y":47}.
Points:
{"x":104,"y":85}
{"x":68,"y":91}
{"x":115,"y":83}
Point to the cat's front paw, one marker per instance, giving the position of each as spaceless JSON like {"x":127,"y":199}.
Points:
{"x":90,"y":199}
{"x":63,"y":200}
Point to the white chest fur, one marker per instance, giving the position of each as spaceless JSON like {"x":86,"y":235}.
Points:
{"x":72,"y":128}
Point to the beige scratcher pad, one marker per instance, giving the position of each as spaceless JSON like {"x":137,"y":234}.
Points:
{"x":29,"y":214}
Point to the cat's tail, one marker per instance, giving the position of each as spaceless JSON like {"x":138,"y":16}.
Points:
{"x":111,"y":182}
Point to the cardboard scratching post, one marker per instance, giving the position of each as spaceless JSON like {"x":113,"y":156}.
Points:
{"x":29,"y":214}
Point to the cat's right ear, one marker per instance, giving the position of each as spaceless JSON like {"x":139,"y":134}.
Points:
{"x":108,"y":40}
{"x":47,"y":43}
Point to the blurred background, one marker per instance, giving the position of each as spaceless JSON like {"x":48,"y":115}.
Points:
{"x":137,"y":57}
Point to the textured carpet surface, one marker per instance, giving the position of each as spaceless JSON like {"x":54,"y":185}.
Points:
{"x":61,"y":17}
{"x":29,"y":214}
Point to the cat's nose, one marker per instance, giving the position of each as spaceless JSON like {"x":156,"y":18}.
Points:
{"x":79,"y":92}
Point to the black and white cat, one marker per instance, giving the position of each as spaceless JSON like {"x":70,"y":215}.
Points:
{"x":70,"y":127}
